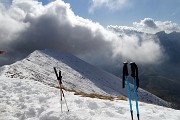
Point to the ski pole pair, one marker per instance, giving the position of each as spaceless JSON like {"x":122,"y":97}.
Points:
{"x":134,"y":74}
{"x":59,"y":78}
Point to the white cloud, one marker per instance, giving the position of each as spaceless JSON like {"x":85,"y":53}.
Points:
{"x":136,"y":46}
{"x":110,"y":4}
{"x":29,"y":25}
{"x":149,"y":25}
{"x":10,"y":27}
{"x":121,"y":30}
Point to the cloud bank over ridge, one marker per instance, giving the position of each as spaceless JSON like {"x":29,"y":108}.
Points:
{"x":28,"y":25}
{"x":148,"y":25}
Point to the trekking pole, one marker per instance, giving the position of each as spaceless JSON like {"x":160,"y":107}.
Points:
{"x":59,"y":78}
{"x":125,"y":80}
{"x":134,"y":70}
{"x":62,"y":93}
{"x":59,"y":83}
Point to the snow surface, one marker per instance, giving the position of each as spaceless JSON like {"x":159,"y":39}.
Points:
{"x":22,"y":99}
{"x":77,"y":75}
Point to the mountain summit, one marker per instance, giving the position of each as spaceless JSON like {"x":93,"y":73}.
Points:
{"x":76,"y":74}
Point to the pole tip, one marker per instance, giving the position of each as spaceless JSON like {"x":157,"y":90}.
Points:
{"x":138,"y":116}
{"x":131,"y":114}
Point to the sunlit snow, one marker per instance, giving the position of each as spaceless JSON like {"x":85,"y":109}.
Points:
{"x":22,"y":99}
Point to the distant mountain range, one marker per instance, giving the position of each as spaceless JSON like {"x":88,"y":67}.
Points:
{"x":77,"y":75}
{"x":161,"y":79}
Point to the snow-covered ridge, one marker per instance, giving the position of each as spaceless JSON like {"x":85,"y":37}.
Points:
{"x":77,"y":75}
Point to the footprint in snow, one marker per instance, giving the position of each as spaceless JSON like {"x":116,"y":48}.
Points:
{"x":78,"y":101}
{"x":92,"y":105}
{"x":121,"y":110}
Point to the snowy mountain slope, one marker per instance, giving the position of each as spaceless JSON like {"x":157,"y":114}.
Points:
{"x":77,"y":75}
{"x":22,"y":99}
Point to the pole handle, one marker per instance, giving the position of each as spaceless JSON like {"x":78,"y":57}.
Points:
{"x":56,"y":73}
{"x":59,"y":77}
{"x":125,"y":73}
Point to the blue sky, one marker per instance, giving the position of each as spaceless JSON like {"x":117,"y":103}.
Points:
{"x":131,"y":11}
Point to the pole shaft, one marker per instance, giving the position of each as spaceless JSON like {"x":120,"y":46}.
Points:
{"x":129,"y":92}
{"x":129,"y":95}
{"x":65,"y":100}
{"x":136,"y":97}
{"x":60,"y":95}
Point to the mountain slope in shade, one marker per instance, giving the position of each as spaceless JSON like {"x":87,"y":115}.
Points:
{"x":77,"y":75}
